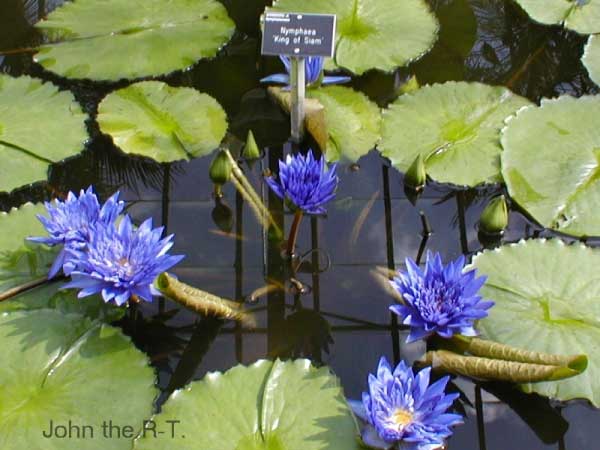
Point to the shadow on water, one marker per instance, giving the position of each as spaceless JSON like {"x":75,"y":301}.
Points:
{"x":341,"y":319}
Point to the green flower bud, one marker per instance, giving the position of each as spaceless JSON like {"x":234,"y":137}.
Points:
{"x":411,"y":85}
{"x":251,"y":150}
{"x":416,"y":176}
{"x":494,"y":218}
{"x":220,"y":169}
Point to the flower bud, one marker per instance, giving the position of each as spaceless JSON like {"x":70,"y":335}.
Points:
{"x":494,"y":218}
{"x":220,"y":169}
{"x":251,"y":150}
{"x":416,"y":176}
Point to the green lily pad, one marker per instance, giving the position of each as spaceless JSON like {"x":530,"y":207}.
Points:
{"x":39,"y":125}
{"x":161,"y":122}
{"x":454,"y":126}
{"x":115,"y":39}
{"x":344,"y":122}
{"x":374,"y":34}
{"x":266,"y":406}
{"x":59,"y":367}
{"x":547,"y":298}
{"x":551,"y":163}
{"x":591,"y":58}
{"x":582,"y":16}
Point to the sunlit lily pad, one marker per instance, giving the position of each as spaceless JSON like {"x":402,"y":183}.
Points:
{"x":591,"y":58}
{"x":454,"y":126}
{"x":39,"y":125}
{"x":374,"y":34}
{"x":114,"y":39}
{"x":344,"y":122}
{"x":582,"y":16}
{"x":267,"y":406}
{"x":59,"y":367}
{"x":551,"y":163}
{"x":161,"y":122}
{"x":547,"y":298}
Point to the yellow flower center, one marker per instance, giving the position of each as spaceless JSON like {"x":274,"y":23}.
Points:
{"x":402,"y":418}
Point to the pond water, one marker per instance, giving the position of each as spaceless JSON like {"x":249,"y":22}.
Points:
{"x":342,"y":319}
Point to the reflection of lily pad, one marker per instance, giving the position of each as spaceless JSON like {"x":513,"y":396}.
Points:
{"x":374,"y":34}
{"x":454,"y":126}
{"x":39,"y":125}
{"x":267,"y":406}
{"x":547,"y":298}
{"x":344,"y":122}
{"x":591,"y":58}
{"x":114,"y":39}
{"x":551,"y":163}
{"x":161,"y":122}
{"x":582,"y":16}
{"x":63,"y":367}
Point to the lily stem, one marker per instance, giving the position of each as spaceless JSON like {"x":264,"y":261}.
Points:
{"x":23,"y":288}
{"x":291,"y":244}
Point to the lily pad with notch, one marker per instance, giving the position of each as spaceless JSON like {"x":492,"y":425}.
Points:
{"x":582,"y":16}
{"x":591,"y":58}
{"x":161,"y":122}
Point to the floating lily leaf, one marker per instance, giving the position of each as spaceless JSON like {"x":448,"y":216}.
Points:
{"x":455,"y":126}
{"x":374,"y":34}
{"x":62,"y":367}
{"x":551,"y":163}
{"x":547,"y":300}
{"x":39,"y":125}
{"x":591,"y":58}
{"x":115,"y":39}
{"x":582,"y":16}
{"x":161,"y":122}
{"x":267,"y":406}
{"x":344,"y":122}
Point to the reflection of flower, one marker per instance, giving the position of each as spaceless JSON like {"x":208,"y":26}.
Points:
{"x":70,"y":222}
{"x":402,"y":411}
{"x":307,"y":183}
{"x":440,"y":300}
{"x":313,"y":71}
{"x":120,"y":262}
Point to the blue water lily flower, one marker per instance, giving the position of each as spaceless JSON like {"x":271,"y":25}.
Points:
{"x":70,"y":221}
{"x":402,"y":411}
{"x":122,"y":261}
{"x":313,"y":72}
{"x":305,"y":182}
{"x":442,"y":300}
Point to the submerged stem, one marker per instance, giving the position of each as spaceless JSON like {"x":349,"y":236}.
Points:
{"x":291,"y":244}
{"x":23,"y":288}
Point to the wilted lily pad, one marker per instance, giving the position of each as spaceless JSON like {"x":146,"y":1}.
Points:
{"x":582,"y":16}
{"x":591,"y":58}
{"x":115,"y":39}
{"x":551,"y":163}
{"x":59,"y":367}
{"x":374,"y":34}
{"x":344,"y":122}
{"x":161,"y":122}
{"x":454,"y":126}
{"x":547,"y":298}
{"x":267,"y":406}
{"x":39,"y":125}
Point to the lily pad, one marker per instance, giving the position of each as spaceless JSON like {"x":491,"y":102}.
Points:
{"x":454,"y":126}
{"x":39,"y":125}
{"x":266,"y":406}
{"x":551,"y":163}
{"x":582,"y":16}
{"x":344,"y":122}
{"x":161,"y":122}
{"x":374,"y":34}
{"x":59,"y":367}
{"x":115,"y":39}
{"x":591,"y":58}
{"x":547,"y":298}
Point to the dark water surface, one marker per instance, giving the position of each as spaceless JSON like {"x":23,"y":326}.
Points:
{"x":342,"y":320}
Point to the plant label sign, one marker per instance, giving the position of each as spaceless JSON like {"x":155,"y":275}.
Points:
{"x":300,"y":35}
